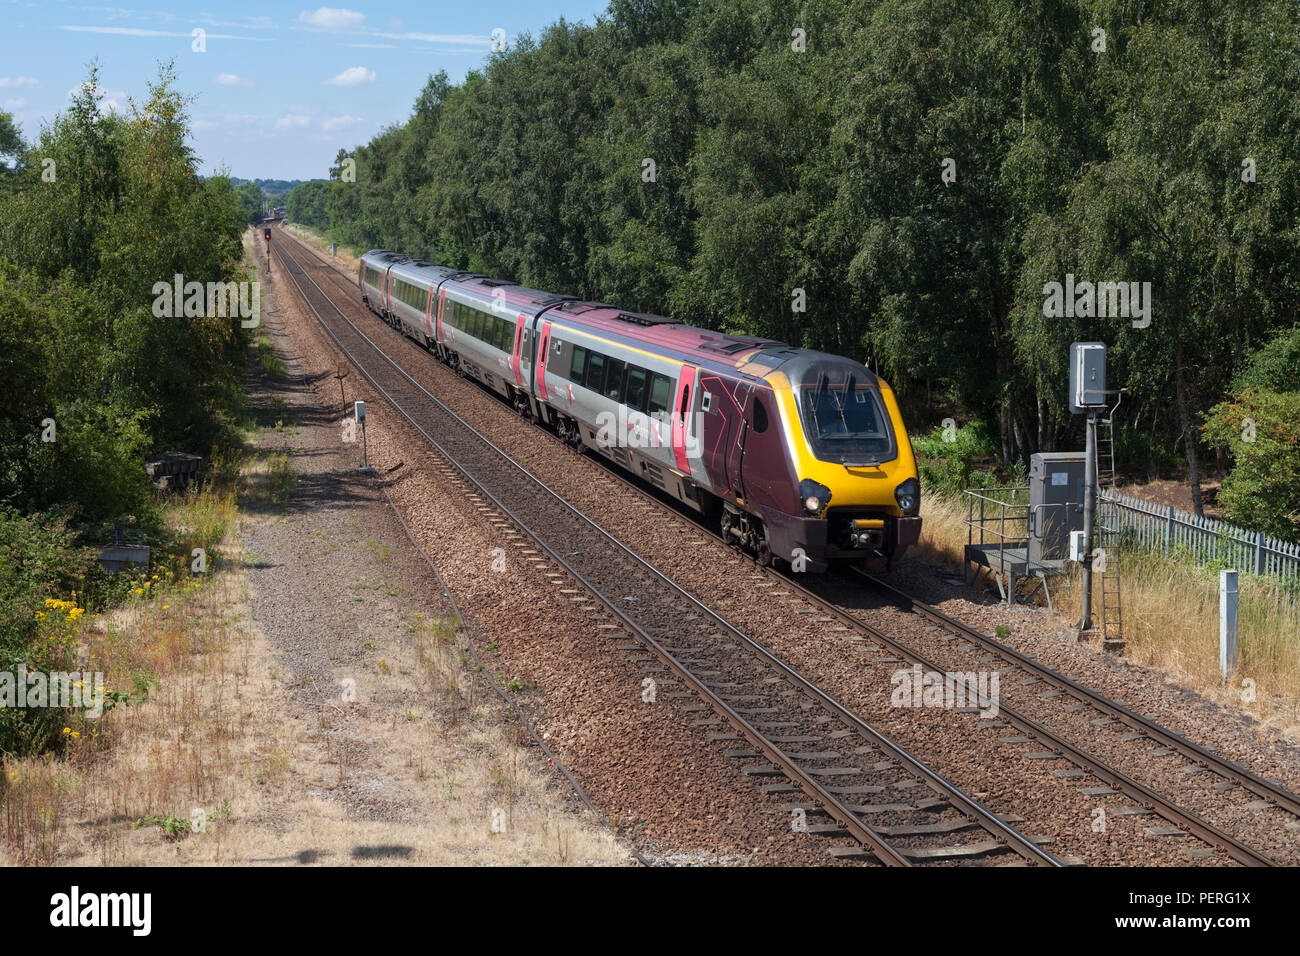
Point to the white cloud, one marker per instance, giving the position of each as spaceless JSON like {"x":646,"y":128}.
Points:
{"x":338,"y":122}
{"x":332,"y":18}
{"x":7,"y":82}
{"x":371,"y":46}
{"x":292,"y":120}
{"x":353,"y":76}
{"x":202,"y":124}
{"x":141,"y":32}
{"x":471,"y":39}
{"x":15,"y":104}
{"x":230,"y":79}
{"x":247,"y":23}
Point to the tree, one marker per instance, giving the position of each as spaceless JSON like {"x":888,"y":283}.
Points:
{"x":11,"y":144}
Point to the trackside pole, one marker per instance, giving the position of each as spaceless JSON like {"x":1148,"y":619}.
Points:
{"x":1089,"y":513}
{"x":1227,"y":622}
{"x":360,"y":413}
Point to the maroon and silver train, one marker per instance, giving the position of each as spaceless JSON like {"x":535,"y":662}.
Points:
{"x":799,"y":454}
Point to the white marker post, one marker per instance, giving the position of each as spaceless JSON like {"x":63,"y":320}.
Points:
{"x":1227,"y":623}
{"x":360,"y":413}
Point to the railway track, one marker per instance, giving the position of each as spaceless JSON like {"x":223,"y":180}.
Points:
{"x":891,"y":806}
{"x":1148,"y":798}
{"x":1141,"y":729}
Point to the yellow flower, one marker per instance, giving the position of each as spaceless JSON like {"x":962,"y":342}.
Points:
{"x":166,"y":606}
{"x":138,"y":591}
{"x":67,"y":730}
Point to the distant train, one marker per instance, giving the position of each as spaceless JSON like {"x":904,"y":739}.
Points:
{"x":797,"y":454}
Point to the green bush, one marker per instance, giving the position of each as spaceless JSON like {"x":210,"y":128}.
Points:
{"x":1261,"y":430}
{"x":38,"y":559}
{"x":944,"y":459}
{"x":1274,"y":367}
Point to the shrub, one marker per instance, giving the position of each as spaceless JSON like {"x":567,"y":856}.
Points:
{"x":945,"y":456}
{"x":1261,"y":429}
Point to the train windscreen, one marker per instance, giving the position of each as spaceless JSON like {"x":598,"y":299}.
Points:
{"x":845,"y":420}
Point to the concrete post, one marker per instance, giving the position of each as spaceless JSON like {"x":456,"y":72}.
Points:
{"x":1227,"y":623}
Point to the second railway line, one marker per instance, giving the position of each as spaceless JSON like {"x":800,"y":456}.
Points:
{"x":764,"y":701}
{"x":1108,"y":774}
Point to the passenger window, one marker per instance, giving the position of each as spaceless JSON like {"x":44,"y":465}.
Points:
{"x":636,"y":379}
{"x":578,"y":364}
{"x":614,"y":380}
{"x":661,"y":394}
{"x":760,"y":415}
{"x":686,"y":403}
{"x":595,"y":369}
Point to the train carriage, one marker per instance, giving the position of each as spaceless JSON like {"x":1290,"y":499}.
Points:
{"x":798,"y":454}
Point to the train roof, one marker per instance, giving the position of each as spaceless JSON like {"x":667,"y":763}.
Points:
{"x":675,"y":339}
{"x":422,"y":271}
{"x":747,"y":355}
{"x":506,"y":292}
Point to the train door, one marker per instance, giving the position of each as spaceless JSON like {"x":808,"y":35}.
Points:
{"x":719,"y":431}
{"x":516,"y":350}
{"x":428,"y":318}
{"x":736,"y":452}
{"x":543,"y":355}
{"x":442,"y":299}
{"x":765,"y":461}
{"x":685,"y":443}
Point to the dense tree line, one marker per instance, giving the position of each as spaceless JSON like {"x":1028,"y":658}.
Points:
{"x":921,"y":169}
{"x":95,"y":213}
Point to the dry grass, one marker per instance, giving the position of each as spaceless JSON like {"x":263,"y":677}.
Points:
{"x":345,"y":255}
{"x":223,"y":739}
{"x":1171,"y":621}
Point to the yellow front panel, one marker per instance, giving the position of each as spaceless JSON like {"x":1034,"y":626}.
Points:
{"x":849,"y":486}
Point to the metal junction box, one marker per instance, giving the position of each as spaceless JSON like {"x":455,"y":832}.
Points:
{"x":1087,"y":376}
{"x":1056,"y":481}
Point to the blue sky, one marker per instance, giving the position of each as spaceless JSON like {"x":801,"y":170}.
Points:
{"x":281,"y":86}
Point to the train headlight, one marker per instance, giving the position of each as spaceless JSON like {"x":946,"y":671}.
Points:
{"x":908,"y":496}
{"x":815,"y":495}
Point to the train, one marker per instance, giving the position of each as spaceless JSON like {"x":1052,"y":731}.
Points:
{"x":797,"y":455}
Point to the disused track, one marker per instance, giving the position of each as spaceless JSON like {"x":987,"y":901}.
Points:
{"x":778,"y":711}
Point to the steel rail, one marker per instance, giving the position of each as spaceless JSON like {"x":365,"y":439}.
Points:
{"x":834,"y":806}
{"x":1164,"y":807}
{"x":1239,"y":775}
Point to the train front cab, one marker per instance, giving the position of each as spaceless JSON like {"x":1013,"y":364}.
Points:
{"x":859,"y":494}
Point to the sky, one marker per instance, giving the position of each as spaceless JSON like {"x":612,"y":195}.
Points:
{"x":278,"y":87}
